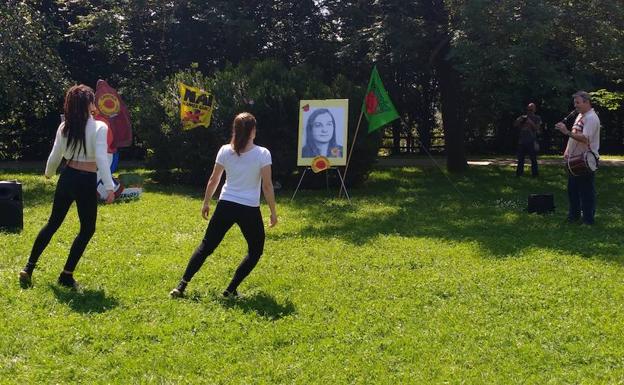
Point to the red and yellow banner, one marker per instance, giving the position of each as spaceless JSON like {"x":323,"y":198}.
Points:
{"x":114,"y":113}
{"x":196,"y":106}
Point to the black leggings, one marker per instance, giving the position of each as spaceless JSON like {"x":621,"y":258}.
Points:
{"x":73,"y":185}
{"x":225,"y":215}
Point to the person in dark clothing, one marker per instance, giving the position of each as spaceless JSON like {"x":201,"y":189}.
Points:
{"x":529,"y":126}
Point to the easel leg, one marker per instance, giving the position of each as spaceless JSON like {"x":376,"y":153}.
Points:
{"x":342,"y":185}
{"x":327,"y":182}
{"x":299,"y":184}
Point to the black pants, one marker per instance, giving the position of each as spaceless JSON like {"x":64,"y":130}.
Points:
{"x":224,"y":217}
{"x":582,"y":197}
{"x":525,"y":149}
{"x":73,"y":185}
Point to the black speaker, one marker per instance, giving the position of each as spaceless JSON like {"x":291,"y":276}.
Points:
{"x":11,"y":206}
{"x":541,"y":203}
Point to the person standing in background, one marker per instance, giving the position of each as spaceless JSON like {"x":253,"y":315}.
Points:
{"x":529,"y":126}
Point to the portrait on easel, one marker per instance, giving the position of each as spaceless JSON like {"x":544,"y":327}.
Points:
{"x":323,"y":131}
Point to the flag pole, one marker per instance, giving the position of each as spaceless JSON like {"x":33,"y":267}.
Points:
{"x":344,"y":177}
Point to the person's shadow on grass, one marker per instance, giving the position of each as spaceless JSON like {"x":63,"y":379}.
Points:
{"x":85,"y":301}
{"x":260,"y":303}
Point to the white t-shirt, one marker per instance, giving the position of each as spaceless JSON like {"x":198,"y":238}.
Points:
{"x":242,"y":174}
{"x":589,"y":124}
{"x":96,"y":142}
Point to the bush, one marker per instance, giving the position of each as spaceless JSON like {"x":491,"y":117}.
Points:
{"x":268,"y":90}
{"x":32,"y":82}
{"x":178,"y":155}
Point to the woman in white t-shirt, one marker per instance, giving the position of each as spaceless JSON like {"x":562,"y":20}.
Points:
{"x":247,"y":169}
{"x":83,"y":142}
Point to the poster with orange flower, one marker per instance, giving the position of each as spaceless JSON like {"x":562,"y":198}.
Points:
{"x":323,"y":126}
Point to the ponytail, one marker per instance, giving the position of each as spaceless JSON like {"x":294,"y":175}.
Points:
{"x":243,"y":124}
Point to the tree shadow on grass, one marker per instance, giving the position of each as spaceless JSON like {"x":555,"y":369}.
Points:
{"x":85,"y":301}
{"x":11,"y":230}
{"x":260,"y":303}
{"x":36,"y":190}
{"x":490,"y":210}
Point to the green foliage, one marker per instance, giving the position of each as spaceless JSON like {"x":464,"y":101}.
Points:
{"x":32,"y":80}
{"x":269,"y":90}
{"x":410,"y":284}
{"x":498,"y":55}
{"x":96,"y":42}
{"x":184,"y":155}
{"x":510,"y":53}
{"x":612,"y":101}
{"x":31,"y":72}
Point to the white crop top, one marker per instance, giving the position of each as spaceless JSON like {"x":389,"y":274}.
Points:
{"x":96,"y":135}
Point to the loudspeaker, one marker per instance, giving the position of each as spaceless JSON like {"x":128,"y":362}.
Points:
{"x":11,"y":205}
{"x":541,"y":203}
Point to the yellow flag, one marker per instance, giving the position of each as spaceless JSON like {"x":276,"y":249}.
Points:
{"x":195,"y":106}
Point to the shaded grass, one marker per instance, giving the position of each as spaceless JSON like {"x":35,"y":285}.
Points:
{"x":412,"y":283}
{"x":84,"y":301}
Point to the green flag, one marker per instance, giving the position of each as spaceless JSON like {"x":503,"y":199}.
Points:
{"x":377,"y":106}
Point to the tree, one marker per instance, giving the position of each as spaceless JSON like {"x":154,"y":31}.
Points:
{"x":33,"y":78}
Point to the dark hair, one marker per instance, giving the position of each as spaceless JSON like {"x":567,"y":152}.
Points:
{"x":242,"y":126}
{"x":583,"y":95}
{"x":76,"y":109}
{"x":309,"y":137}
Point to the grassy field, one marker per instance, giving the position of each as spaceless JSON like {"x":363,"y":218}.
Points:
{"x":412,"y":283}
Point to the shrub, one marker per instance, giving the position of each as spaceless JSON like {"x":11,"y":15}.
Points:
{"x":267,"y":89}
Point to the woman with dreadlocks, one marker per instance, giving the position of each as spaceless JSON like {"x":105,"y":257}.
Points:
{"x":82,"y":141}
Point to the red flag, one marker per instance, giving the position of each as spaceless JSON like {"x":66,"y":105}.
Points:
{"x":114,"y":110}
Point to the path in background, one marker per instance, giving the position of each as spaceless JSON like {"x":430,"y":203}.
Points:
{"x":493,"y":161}
{"x":382,"y":162}
{"x":34,"y":165}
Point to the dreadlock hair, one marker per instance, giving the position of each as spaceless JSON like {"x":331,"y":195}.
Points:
{"x":76,"y":108}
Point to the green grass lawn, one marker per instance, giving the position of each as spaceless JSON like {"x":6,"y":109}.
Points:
{"x":411,"y":283}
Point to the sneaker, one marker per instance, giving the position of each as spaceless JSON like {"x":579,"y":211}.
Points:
{"x":67,"y":280}
{"x":25,"y":279}
{"x":178,"y":292}
{"x":230,"y":294}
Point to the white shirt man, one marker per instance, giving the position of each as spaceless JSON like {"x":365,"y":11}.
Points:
{"x":585,"y":135}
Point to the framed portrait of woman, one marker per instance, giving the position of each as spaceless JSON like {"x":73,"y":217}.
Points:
{"x":323,"y":131}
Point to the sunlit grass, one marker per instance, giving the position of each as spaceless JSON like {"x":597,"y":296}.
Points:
{"x":413,"y":282}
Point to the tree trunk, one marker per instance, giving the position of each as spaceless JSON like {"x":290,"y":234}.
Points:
{"x":449,"y":86}
{"x":396,"y":138}
{"x":454,"y":135}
